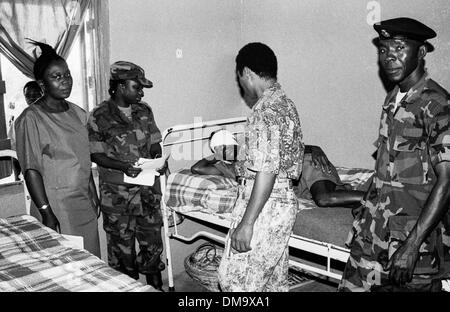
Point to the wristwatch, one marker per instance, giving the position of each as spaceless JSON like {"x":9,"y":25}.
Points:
{"x":43,"y":207}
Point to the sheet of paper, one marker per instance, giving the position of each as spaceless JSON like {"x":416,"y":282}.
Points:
{"x":148,"y":173}
{"x":147,"y":163}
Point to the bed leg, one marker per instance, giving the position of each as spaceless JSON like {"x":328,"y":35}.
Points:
{"x":165,"y":215}
{"x":328,"y":258}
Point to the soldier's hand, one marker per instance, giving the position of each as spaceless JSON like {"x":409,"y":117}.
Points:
{"x":402,"y":263}
{"x":163,"y":169}
{"x":131,"y":171}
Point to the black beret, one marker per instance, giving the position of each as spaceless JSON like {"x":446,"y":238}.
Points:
{"x":405,"y":27}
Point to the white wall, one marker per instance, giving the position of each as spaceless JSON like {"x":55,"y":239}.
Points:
{"x":201,"y":84}
{"x":327,"y":62}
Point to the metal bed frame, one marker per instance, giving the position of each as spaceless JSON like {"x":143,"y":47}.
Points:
{"x":323,"y":249}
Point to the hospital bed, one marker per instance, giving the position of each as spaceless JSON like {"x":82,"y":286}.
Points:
{"x":320,"y":232}
{"x":33,"y":257}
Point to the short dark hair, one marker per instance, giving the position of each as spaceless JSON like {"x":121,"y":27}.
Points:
{"x":259,"y":58}
{"x":113,"y":84}
{"x":47,"y":57}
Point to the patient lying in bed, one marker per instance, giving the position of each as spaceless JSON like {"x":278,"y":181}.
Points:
{"x":319,"y":180}
{"x":211,"y":187}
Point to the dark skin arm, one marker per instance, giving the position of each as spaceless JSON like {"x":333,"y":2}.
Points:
{"x":242,"y":235}
{"x":35,"y":185}
{"x":403,"y":261}
{"x":94,"y":196}
{"x":156,"y":152}
{"x":324,"y":194}
{"x":103,"y":160}
{"x":205,"y":166}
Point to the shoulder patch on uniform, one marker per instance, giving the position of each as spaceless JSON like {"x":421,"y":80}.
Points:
{"x":100,"y":109}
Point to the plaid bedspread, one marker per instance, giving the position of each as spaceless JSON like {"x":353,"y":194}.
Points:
{"x":208,"y":193}
{"x":36,"y":258}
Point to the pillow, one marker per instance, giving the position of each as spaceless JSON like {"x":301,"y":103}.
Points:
{"x":358,"y":178}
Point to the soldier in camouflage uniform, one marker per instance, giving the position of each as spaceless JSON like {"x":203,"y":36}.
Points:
{"x":256,"y":251}
{"x":121,"y":130}
{"x":395,"y":242}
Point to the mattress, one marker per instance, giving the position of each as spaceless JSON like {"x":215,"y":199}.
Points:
{"x":330,"y":224}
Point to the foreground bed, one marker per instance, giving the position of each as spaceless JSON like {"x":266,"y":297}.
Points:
{"x":36,"y":258}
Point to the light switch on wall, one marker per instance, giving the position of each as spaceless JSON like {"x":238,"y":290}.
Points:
{"x":179,"y":53}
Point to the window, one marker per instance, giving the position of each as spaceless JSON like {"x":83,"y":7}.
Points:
{"x":87,"y":63}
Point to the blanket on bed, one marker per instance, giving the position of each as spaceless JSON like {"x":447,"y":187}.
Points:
{"x":193,"y":192}
{"x":36,"y":258}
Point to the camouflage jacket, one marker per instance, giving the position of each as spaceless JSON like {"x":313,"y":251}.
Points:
{"x":112,"y":133}
{"x":273,"y":137}
{"x":412,"y":140}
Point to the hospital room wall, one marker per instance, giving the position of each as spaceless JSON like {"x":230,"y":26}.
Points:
{"x":200,"y":84}
{"x":327,"y":63}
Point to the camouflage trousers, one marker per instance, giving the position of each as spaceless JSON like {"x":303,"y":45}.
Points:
{"x":362,"y":271}
{"x":372,"y":242}
{"x":265,"y":267}
{"x":132,"y":213}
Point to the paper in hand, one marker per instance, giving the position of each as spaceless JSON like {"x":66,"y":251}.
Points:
{"x":147,"y":163}
{"x":149,"y":171}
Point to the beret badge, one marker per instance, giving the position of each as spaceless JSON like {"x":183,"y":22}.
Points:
{"x":385,"y":34}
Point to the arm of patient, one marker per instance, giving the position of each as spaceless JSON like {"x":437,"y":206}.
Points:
{"x":206,"y":166}
{"x":324,"y":194}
